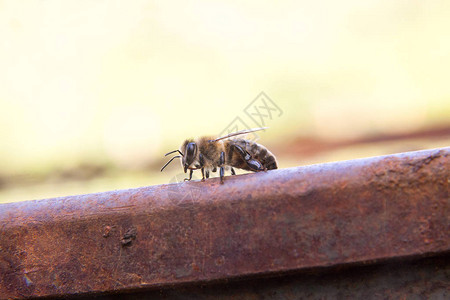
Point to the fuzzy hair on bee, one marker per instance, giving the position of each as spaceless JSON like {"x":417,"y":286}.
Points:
{"x":210,"y":154}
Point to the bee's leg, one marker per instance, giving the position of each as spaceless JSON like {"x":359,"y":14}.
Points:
{"x":245,"y":155}
{"x":207,"y":173}
{"x":203,"y":174}
{"x":190,"y":175}
{"x":221,"y":163}
{"x":202,"y":163}
{"x":253,"y":164}
{"x":233,"y":172}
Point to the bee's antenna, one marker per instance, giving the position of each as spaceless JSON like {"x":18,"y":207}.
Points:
{"x":174,"y":152}
{"x":178,"y":156}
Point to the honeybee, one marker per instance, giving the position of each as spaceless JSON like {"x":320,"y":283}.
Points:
{"x":209,"y":154}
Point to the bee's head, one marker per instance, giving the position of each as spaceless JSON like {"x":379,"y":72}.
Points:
{"x":188,"y":153}
{"x":189,"y":148}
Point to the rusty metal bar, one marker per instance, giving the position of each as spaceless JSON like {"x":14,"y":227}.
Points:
{"x":303,"y":218}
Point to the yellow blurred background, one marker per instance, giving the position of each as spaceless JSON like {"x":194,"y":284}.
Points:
{"x":93,"y":93}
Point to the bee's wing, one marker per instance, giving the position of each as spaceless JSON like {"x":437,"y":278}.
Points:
{"x":245,"y":131}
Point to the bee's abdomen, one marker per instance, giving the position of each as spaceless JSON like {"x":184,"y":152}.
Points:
{"x":258,"y":152}
{"x":270,"y":163}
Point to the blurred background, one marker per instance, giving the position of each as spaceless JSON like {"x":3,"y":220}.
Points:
{"x":94,"y":93}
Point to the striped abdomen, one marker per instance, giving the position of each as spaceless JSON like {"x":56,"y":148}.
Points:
{"x":256,"y":151}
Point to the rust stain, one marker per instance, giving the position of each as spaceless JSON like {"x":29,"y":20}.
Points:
{"x":129,"y":236}
{"x":359,"y":211}
{"x":107,"y":230}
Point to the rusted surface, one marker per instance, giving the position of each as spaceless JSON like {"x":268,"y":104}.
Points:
{"x":417,"y":278}
{"x":314,"y":217}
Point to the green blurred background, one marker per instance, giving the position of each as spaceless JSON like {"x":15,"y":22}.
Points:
{"x":93,"y":93}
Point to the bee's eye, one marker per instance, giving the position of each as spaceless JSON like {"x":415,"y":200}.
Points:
{"x":190,"y":150}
